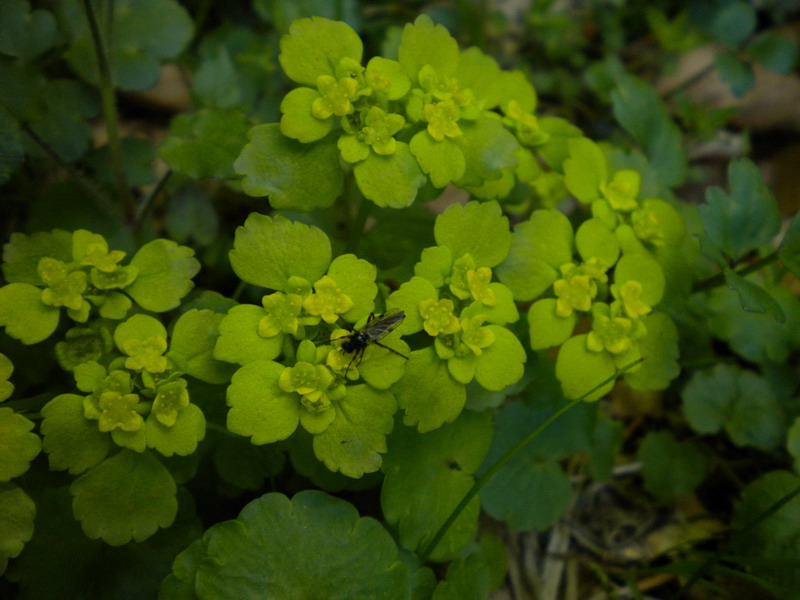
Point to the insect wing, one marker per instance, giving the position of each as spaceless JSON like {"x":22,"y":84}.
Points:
{"x":382,"y":326}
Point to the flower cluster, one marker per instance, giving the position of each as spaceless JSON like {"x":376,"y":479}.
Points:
{"x":77,"y":271}
{"x":432,"y":114}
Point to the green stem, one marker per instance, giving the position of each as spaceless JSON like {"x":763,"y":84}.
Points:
{"x":719,"y":279}
{"x":239,"y":290}
{"x":148,"y":202}
{"x":109,"y":102}
{"x":503,"y":460}
{"x":100,"y":198}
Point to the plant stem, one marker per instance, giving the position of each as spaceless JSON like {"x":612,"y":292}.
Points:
{"x":719,"y":279}
{"x":109,"y":101}
{"x":503,"y":460}
{"x":100,"y":198}
{"x":148,"y":202}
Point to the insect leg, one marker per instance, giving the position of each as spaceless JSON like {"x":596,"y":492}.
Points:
{"x":358,"y":353}
{"x":392,"y":350}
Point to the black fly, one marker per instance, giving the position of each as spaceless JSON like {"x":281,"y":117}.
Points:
{"x":376,"y":328}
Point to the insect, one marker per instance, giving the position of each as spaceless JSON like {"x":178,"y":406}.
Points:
{"x":376,"y":328}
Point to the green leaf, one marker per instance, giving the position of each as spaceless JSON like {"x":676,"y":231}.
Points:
{"x":539,"y":247}
{"x":488,"y":148}
{"x":239,"y":341}
{"x":313,"y":546}
{"x":756,"y":337}
{"x":659,"y":346}
{"x":532,"y":491}
{"x":435,"y":264}
{"x":315,"y":46}
{"x":294,"y":175}
{"x":6,"y":368}
{"x":769,"y":544}
{"x":739,"y":401}
{"x":640,"y":110}
{"x":165,"y":275}
{"x":18,"y":446}
{"x":480,"y":73}
{"x":26,"y":33}
{"x":298,"y":122}
{"x":736,"y":72}
{"x":182,"y":438}
{"x":744,"y":219}
{"x":670,"y":468}
{"x":24,"y":315}
{"x":205,"y":143}
{"x":380,"y":368}
{"x":190,"y":215}
{"x":732,"y":22}
{"x":16,"y":522}
{"x":145,"y":32}
{"x":502,"y":313}
{"x":544,"y":486}
{"x":126,"y":497}
{"x":580,"y":370}
{"x":594,"y":240}
{"x":139,"y":328}
{"x":72,"y":442}
{"x":442,"y":161}
{"x":57,"y":110}
{"x":465,"y":580}
{"x":547,"y":329}
{"x":268,"y":251}
{"x":354,"y":441}
{"x":192,"y":344}
{"x":754,"y":298}
{"x":428,"y":393}
{"x":478,"y":229}
{"x":22,"y":253}
{"x":407,"y":298}
{"x":356,"y":278}
{"x":390,"y":181}
{"x":468,"y":578}
{"x":424,"y":43}
{"x":502,"y":363}
{"x":774,"y":51}
{"x":641,"y":267}
{"x":427,"y":476}
{"x":585,"y":170}
{"x":556,"y":150}
{"x":260,"y":409}
{"x":216,"y":82}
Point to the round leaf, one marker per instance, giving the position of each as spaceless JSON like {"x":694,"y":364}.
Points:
{"x":313,"y":546}
{"x":579,"y":369}
{"x":314,"y":47}
{"x":267,"y":251}
{"x":259,"y":407}
{"x":72,"y":441}
{"x":126,"y":497}
{"x":479,"y":229}
{"x":293,"y":175}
